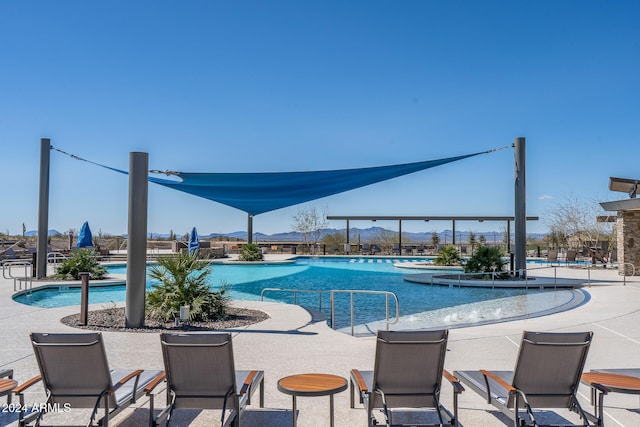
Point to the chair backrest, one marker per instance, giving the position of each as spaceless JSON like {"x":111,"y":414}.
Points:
{"x":552,"y":255}
{"x":408,"y":367}
{"x":549,"y":366}
{"x":571,"y":255}
{"x":200,"y":370}
{"x":74,"y":367}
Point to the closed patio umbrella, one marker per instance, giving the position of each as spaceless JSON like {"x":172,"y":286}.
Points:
{"x":194,"y":244}
{"x":85,"y":239}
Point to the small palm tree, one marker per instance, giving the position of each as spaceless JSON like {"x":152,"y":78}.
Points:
{"x":183,"y":281}
{"x":83,"y":260}
{"x":448,"y":256}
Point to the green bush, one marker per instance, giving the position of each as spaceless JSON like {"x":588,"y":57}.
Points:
{"x":250,"y":252}
{"x":485,"y":260}
{"x":81,"y":261}
{"x":183,"y":281}
{"x":448,"y":256}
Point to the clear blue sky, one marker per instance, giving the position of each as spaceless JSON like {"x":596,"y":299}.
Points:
{"x":251,"y":86}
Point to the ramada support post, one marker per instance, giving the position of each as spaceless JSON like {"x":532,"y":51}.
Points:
{"x":137,"y":239}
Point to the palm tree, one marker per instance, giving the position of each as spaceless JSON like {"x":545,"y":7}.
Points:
{"x":183,"y":281}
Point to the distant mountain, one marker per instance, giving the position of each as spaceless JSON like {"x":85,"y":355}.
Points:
{"x":32,"y":233}
{"x":371,"y":234}
{"x":364,"y":235}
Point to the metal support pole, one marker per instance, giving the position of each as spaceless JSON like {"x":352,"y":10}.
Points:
{"x":453,"y":226}
{"x":400,"y":237}
{"x":520,"y":206}
{"x":137,"y":239}
{"x":347,"y":231}
{"x":84,"y":299}
{"x":43,"y":209}
{"x":249,"y":228}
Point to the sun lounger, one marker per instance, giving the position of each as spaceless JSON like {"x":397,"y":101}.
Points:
{"x":200,"y":374}
{"x":408,"y":371}
{"x":546,"y":375}
{"x":75,"y":374}
{"x":552,"y":256}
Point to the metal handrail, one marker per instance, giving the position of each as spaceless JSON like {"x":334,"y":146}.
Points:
{"x":351,"y":293}
{"x":624,"y":275}
{"x":55,"y":257}
{"x":6,"y":269}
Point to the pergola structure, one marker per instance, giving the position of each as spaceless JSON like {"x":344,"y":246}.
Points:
{"x":628,"y":222}
{"x":453,"y":219}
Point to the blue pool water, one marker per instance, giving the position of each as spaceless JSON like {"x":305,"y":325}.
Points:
{"x":247,"y":282}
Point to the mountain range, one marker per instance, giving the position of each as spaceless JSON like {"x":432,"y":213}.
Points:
{"x":361,"y":234}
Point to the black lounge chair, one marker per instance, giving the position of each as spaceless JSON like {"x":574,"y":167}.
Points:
{"x":75,"y":374}
{"x":408,"y":371}
{"x":200,"y":374}
{"x":546,"y":375}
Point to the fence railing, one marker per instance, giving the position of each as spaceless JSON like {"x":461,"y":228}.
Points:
{"x":351,"y":293}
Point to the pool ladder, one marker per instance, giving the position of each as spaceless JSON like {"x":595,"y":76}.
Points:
{"x":351,"y":293}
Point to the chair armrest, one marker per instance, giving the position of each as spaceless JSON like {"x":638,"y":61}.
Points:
{"x":122,"y":382}
{"x":362,"y":385}
{"x":246,"y":386}
{"x":503,"y":383}
{"x":154,"y":382}
{"x":455,"y":382}
{"x":500,"y":381}
{"x":601,"y":388}
{"x":22,"y":387}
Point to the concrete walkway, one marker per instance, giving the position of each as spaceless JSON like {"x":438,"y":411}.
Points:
{"x":291,"y":342}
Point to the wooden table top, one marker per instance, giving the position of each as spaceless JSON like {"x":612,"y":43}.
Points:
{"x":7,"y":385}
{"x":616,"y":382}
{"x":312,"y":384}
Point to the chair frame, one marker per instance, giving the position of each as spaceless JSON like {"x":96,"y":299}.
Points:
{"x":368,"y":393}
{"x":517,"y":398}
{"x":220,"y":343}
{"x":105,"y":396}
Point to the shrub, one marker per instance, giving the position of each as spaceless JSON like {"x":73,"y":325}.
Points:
{"x":448,"y":256}
{"x":250,"y":252}
{"x":183,"y":281}
{"x":485,"y":260}
{"x":81,"y":261}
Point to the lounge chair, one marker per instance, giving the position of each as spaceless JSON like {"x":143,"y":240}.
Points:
{"x":8,"y":374}
{"x":571,"y":256}
{"x":200,"y":374}
{"x":546,"y":375}
{"x":75,"y":374}
{"x":408,"y":371}
{"x":552,"y":256}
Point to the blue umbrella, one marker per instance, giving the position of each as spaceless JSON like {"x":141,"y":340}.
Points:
{"x":85,"y":239}
{"x":194,"y":244}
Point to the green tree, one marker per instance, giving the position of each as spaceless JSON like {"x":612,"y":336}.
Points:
{"x":183,"y":280}
{"x":486,"y":259}
{"x":448,"y":256}
{"x":472,"y":241}
{"x":81,"y":261}
{"x":250,"y":252}
{"x":435,"y":239}
{"x":334,"y":240}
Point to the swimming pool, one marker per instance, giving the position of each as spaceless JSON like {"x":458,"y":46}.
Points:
{"x":246,"y":282}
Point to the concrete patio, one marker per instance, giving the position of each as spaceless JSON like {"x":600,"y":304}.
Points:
{"x":291,"y":342}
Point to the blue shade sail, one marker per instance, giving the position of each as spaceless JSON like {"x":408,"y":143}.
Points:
{"x":257,"y":193}
{"x":85,"y":240}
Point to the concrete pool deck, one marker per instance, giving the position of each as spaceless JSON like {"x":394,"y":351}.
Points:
{"x":291,"y":342}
